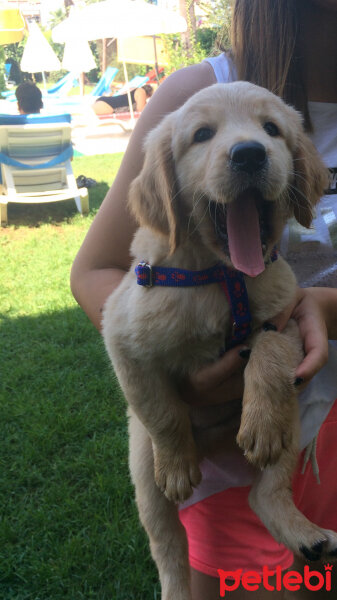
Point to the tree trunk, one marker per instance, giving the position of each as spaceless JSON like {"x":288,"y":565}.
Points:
{"x":67,"y":5}
{"x":186,"y":8}
{"x":82,"y":84}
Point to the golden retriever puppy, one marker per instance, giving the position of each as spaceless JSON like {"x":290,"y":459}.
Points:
{"x":220,"y":179}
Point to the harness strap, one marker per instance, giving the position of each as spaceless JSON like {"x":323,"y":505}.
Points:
{"x":236,"y":293}
{"x":147,"y":275}
{"x":231,"y":281}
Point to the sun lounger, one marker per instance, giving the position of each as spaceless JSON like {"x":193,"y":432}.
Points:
{"x":64,"y":85}
{"x":35,"y":161}
{"x":135,"y":82}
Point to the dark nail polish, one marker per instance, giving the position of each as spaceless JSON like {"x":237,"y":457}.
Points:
{"x":269,"y":327}
{"x":245,"y":353}
{"x":298,"y":381}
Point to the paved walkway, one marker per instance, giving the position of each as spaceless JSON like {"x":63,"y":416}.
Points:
{"x":104,"y":139}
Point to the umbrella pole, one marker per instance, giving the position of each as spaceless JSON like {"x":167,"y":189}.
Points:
{"x":127,"y":83}
{"x":81,"y":80}
{"x":155,"y":58}
{"x":44,"y":82}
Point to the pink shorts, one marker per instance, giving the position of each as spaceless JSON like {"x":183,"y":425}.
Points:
{"x":224,"y":533}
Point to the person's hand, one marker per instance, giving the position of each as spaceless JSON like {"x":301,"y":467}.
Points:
{"x":218,"y":382}
{"x":308,"y":312}
{"x":311,"y":321}
{"x":223,"y":380}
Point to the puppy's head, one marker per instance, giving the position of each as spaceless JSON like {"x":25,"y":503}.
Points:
{"x":230,"y":166}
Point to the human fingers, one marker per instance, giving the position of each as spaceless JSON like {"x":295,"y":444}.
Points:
{"x":281,"y":320}
{"x":305,"y":309}
{"x":219,"y":381}
{"x":314,"y":334}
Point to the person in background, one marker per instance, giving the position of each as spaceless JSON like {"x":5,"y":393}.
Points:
{"x":14,"y":73}
{"x":29,"y":98}
{"x":107,"y":105}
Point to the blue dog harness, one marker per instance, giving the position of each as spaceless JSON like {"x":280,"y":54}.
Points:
{"x":231,"y":281}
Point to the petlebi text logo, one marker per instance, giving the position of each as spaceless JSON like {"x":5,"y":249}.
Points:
{"x":275,"y":579}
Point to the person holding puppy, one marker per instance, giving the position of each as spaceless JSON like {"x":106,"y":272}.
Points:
{"x":289,"y":47}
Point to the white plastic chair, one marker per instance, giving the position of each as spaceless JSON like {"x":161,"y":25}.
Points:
{"x":35,"y":163}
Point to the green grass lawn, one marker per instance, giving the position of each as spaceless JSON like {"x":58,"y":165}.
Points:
{"x":68,"y":523}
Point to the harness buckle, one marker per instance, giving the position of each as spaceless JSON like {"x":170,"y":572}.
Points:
{"x":148,"y":270}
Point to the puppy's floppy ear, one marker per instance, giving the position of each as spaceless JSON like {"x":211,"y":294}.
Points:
{"x":153,"y":197}
{"x":311,"y":180}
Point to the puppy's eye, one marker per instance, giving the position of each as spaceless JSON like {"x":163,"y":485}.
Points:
{"x":203,"y":134}
{"x":271,"y":129}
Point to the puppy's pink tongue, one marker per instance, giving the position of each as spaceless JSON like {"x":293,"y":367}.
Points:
{"x":244,"y":237}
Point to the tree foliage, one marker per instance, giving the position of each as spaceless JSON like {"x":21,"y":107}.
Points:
{"x":218,"y":16}
{"x":207,"y":40}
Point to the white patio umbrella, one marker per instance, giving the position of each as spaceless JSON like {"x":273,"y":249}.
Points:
{"x":38,"y":56}
{"x":78,"y":58}
{"x":118,"y":19}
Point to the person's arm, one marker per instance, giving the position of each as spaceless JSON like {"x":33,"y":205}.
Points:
{"x":104,"y":255}
{"x":140,"y":99}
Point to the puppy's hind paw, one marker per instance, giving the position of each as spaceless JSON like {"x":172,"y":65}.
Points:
{"x":330,"y":547}
{"x":321,"y":549}
{"x":314,"y":552}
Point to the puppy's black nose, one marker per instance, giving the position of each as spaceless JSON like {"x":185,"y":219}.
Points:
{"x":248,"y":156}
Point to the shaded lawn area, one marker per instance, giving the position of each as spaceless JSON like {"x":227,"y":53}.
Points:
{"x":68,"y":523}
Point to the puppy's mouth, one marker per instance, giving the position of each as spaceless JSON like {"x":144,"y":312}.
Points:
{"x":243,"y":230}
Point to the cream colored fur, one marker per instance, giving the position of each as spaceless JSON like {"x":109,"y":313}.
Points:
{"x":156,"y":337}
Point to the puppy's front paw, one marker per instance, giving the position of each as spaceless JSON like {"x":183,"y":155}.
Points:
{"x":176,"y":475}
{"x":263,"y":438}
